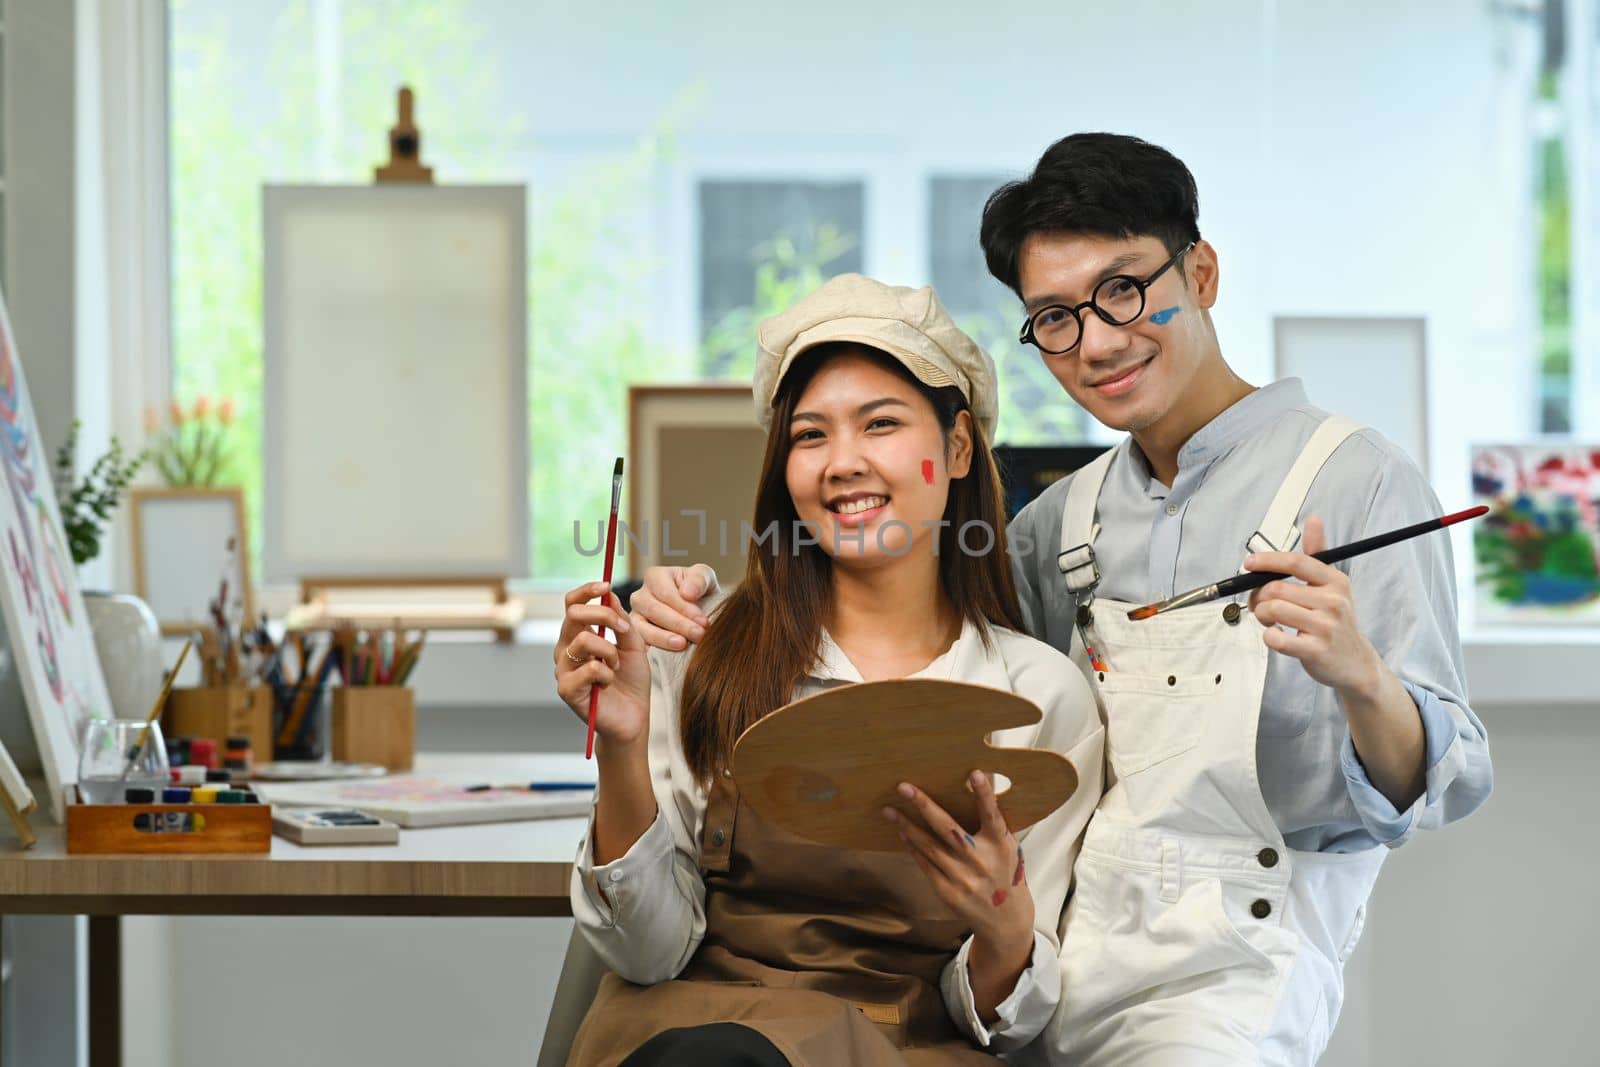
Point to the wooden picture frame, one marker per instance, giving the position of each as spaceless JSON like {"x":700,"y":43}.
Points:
{"x":180,"y":551}
{"x":694,"y":455}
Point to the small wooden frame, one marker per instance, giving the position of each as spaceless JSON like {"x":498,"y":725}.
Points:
{"x":824,"y":767}
{"x":694,"y":456}
{"x":115,"y":828}
{"x":405,"y":148}
{"x":180,"y":549}
{"x":415,"y":604}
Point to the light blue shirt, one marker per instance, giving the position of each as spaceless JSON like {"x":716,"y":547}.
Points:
{"x":1156,"y":542}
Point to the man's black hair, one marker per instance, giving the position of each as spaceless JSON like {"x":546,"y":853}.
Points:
{"x":1103,"y":184}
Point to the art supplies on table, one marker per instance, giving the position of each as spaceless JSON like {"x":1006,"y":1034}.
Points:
{"x":375,"y":724}
{"x":315,"y":770}
{"x":333,"y":826}
{"x":416,"y":801}
{"x":824,"y":767}
{"x":219,"y":816}
{"x":298,"y":672}
{"x":155,"y":710}
{"x":376,"y":656}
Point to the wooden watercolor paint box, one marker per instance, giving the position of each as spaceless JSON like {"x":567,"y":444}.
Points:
{"x":166,"y":829}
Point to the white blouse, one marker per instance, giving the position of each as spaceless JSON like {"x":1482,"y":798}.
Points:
{"x":650,"y":919}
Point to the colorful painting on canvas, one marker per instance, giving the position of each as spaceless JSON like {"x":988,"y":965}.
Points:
{"x":51,"y":641}
{"x":1538,"y":549}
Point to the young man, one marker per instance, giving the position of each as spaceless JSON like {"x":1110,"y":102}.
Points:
{"x":1263,"y":756}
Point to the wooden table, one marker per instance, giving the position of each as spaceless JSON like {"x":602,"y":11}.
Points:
{"x":489,"y":870}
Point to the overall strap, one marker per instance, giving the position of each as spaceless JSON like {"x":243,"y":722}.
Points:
{"x":1078,"y":528}
{"x":1278,"y":532}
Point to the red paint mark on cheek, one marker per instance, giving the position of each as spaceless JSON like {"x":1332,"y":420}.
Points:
{"x":927,"y":471}
{"x":999,"y":897}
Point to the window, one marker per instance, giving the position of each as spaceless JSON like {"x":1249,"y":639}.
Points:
{"x":762,"y":244}
{"x":1554,"y":220}
{"x":1034,"y":409}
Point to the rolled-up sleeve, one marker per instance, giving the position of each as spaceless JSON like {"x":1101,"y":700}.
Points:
{"x":1450,"y":745}
{"x":644,"y":912}
{"x":1071,"y":726}
{"x":1407,"y":608}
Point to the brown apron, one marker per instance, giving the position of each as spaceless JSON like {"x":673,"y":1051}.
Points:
{"x":834,"y":956}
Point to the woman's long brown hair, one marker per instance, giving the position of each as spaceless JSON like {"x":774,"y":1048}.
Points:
{"x":764,"y":638}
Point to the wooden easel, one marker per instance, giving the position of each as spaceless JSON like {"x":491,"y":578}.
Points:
{"x":16,"y":798}
{"x":382,"y":602}
{"x":405,"y":148}
{"x":493,"y":608}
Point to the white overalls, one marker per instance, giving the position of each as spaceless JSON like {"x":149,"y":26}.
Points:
{"x":1195,"y":936}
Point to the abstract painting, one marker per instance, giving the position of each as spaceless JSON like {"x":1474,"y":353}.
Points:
{"x":1538,"y":549}
{"x":49,"y":629}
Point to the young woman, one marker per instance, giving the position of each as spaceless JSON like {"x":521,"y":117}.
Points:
{"x":731,"y":940}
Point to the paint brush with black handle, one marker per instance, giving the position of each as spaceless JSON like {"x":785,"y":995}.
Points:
{"x":1242,"y":583}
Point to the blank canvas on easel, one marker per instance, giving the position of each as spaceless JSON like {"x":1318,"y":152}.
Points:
{"x":396,"y":419}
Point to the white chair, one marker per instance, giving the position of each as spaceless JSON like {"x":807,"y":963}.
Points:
{"x":581,"y":971}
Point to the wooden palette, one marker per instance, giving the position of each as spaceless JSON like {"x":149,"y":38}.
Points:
{"x":825,"y":766}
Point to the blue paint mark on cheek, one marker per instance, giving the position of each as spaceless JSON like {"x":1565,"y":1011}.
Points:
{"x":1161,"y":318}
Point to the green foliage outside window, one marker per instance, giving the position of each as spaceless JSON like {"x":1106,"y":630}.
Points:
{"x":588,"y":286}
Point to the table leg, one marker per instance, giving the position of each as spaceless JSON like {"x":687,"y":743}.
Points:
{"x":105,"y":991}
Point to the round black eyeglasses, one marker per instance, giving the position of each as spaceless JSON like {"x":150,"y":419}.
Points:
{"x":1118,"y":300}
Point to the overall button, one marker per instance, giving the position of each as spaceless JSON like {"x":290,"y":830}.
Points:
{"x":1261,"y":909}
{"x":1172,"y":509}
{"x":1230,"y":615}
{"x":718,"y":837}
{"x":614,"y":876}
{"x":1085,"y":616}
{"x":1268,"y":857}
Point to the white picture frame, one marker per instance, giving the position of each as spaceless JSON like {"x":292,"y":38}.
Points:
{"x":395,"y":422}
{"x":180,"y":554}
{"x":1373,"y":369}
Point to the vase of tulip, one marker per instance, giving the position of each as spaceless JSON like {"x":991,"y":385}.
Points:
{"x":193,"y":448}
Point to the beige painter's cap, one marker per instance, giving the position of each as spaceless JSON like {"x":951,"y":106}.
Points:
{"x":909,"y":324}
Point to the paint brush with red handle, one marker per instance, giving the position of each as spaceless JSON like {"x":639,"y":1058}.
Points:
{"x":611,"y":552}
{"x":1242,"y":583}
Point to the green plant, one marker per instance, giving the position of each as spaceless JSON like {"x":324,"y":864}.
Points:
{"x":86,"y":506}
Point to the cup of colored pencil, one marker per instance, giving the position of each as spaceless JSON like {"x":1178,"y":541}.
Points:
{"x":374,"y":712}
